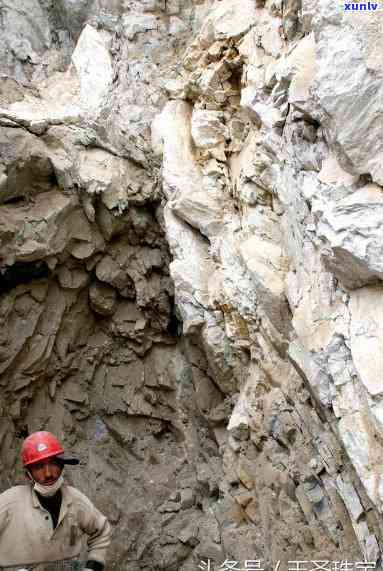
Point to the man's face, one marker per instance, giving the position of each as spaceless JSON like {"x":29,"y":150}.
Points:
{"x":46,"y":472}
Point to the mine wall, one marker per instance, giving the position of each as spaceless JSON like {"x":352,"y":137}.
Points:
{"x":191,"y":240}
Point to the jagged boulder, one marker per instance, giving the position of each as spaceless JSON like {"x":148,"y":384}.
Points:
{"x":352,"y":231}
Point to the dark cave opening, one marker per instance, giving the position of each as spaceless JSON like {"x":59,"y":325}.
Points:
{"x":21,"y":273}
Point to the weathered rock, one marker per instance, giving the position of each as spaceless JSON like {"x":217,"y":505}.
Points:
{"x":234,"y":395}
{"x":352,"y":230}
{"x":74,"y":13}
{"x":245,"y":409}
{"x":267,"y":267}
{"x":72,"y":278}
{"x":366,"y":337}
{"x":207,"y":128}
{"x":316,"y":375}
{"x":189,"y":535}
{"x":302,"y":63}
{"x":219,"y":355}
{"x":253,"y":172}
{"x":190,"y":271}
{"x":332,"y":174}
{"x":26,"y":35}
{"x":358,"y":436}
{"x":228,"y":20}
{"x":118,"y":181}
{"x":43,"y":230}
{"x":350,"y":126}
{"x":102,"y":299}
{"x":26,"y":166}
{"x":183,"y":180}
{"x":93,"y":63}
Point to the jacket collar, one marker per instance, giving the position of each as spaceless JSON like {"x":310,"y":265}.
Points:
{"x":65,"y":502}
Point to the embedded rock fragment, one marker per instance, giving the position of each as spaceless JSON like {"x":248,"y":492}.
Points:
{"x":30,"y":234}
{"x":334,"y":175}
{"x":231,"y":285}
{"x":72,"y":277}
{"x":244,"y":413}
{"x":25,"y":164}
{"x":190,"y":270}
{"x":207,"y":128}
{"x":118,"y":181}
{"x":93,"y":63}
{"x":367,"y":337}
{"x":352,"y":230}
{"x":220,"y":355}
{"x":359,"y":439}
{"x":367,"y":540}
{"x":229,"y":19}
{"x":25,"y":35}
{"x":351,"y":113}
{"x":102,"y":299}
{"x":302,"y":61}
{"x":268,"y":266}
{"x":315,"y":374}
{"x":139,"y":24}
{"x":183,"y":179}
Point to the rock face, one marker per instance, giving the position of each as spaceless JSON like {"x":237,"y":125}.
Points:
{"x":190,"y":271}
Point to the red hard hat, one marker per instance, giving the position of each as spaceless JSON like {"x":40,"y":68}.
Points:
{"x":40,"y":446}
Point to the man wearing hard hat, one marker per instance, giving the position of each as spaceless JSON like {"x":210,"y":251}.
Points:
{"x":46,"y":520}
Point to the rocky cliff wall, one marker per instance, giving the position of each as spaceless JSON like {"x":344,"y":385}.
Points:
{"x":190,"y":241}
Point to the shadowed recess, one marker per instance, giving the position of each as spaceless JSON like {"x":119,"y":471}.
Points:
{"x":21,"y":273}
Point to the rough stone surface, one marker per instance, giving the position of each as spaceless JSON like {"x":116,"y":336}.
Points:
{"x":190,"y":271}
{"x":351,"y":228}
{"x":93,"y":63}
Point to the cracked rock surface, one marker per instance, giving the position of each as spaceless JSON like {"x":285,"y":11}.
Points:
{"x":190,"y":271}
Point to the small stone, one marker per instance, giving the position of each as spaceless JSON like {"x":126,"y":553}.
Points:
{"x":167,"y":518}
{"x":103,"y":299}
{"x":189,"y":535}
{"x":170,"y":507}
{"x":251,"y":510}
{"x":246,"y":478}
{"x":187,"y":498}
{"x":244,"y":499}
{"x":175,"y":497}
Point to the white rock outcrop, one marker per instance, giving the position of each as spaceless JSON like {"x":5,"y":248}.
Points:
{"x":352,"y":231}
{"x":93,"y":63}
{"x":300,"y":228}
